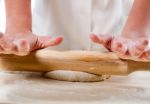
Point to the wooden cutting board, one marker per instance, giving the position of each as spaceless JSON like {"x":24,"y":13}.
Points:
{"x":87,"y":61}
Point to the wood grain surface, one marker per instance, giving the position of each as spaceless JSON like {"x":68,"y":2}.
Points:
{"x":87,"y":61}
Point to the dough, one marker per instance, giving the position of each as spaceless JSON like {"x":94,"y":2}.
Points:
{"x":75,"y":76}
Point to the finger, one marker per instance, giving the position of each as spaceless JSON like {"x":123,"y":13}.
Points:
{"x":146,"y":54}
{"x":95,"y":38}
{"x":102,"y":39}
{"x":119,"y":46}
{"x":142,"y":44}
{"x":6,"y":46}
{"x":49,"y":41}
{"x":106,"y":40}
{"x":138,"y":47}
{"x":143,"y":58}
{"x":22,"y":47}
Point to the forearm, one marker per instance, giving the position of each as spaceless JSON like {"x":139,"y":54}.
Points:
{"x":18,"y":16}
{"x":138,"y":23}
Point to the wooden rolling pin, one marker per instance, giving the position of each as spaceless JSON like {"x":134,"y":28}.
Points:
{"x":86,"y":61}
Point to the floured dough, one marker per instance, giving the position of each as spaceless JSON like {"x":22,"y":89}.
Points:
{"x":75,"y":76}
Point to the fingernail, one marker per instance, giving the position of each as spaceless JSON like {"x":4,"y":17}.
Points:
{"x":94,"y":38}
{"x":55,"y":41}
{"x":59,"y":39}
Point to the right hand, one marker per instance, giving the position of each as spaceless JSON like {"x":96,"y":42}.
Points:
{"x":134,"y":49}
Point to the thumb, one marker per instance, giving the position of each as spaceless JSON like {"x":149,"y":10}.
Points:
{"x":46,"y":41}
{"x":94,"y":38}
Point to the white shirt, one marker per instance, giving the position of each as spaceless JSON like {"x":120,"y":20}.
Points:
{"x":76,"y":19}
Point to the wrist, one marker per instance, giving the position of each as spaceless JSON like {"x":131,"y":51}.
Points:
{"x":13,"y":30}
{"x":135,"y":32}
{"x":16,"y":25}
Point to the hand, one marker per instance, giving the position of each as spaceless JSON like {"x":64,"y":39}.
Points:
{"x":24,"y":43}
{"x":126,"y":48}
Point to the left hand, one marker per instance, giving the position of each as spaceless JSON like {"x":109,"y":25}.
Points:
{"x":23,"y":43}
